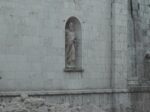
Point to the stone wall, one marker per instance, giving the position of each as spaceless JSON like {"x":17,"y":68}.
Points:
{"x":32,"y":44}
{"x":139,"y":39}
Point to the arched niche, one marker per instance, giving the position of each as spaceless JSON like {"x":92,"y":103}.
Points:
{"x":73,"y":44}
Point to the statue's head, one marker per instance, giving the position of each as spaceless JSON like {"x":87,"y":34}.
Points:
{"x":71,"y":26}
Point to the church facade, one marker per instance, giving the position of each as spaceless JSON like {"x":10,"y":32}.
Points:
{"x":77,"y":51}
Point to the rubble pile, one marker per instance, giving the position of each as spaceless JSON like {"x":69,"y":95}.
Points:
{"x":27,"y":104}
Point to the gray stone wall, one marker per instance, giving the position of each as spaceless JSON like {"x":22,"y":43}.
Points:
{"x":32,"y":44}
{"x":119,"y":44}
{"x":139,"y":41}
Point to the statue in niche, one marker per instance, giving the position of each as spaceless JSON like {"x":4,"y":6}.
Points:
{"x":70,"y":46}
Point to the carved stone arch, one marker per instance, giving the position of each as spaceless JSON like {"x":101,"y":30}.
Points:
{"x":77,"y":32}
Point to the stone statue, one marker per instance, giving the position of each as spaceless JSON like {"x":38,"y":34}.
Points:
{"x":70,"y":46}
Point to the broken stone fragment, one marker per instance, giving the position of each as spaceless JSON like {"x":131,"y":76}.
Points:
{"x":34,"y":102}
{"x":24,"y":96}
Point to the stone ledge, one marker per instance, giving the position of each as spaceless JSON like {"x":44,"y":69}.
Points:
{"x":73,"y":69}
{"x":139,"y":89}
{"x":75,"y":92}
{"x":63,"y":92}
